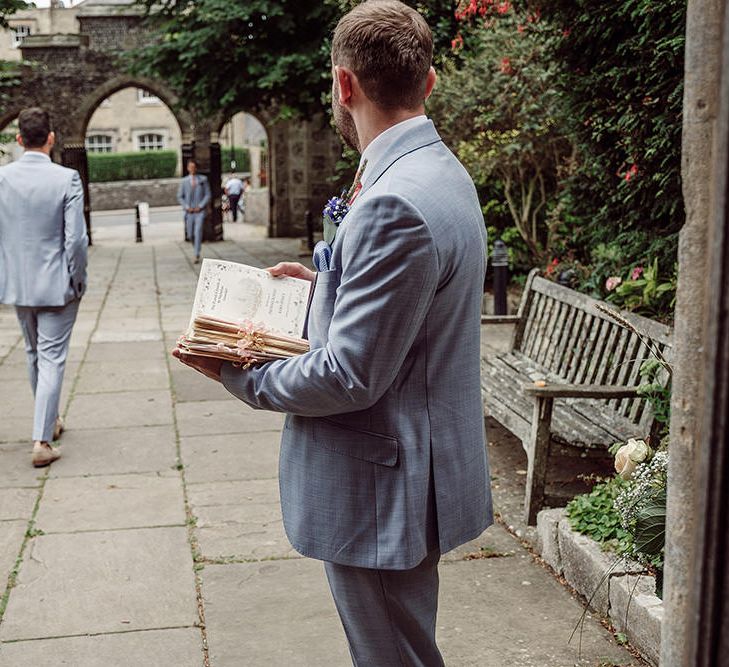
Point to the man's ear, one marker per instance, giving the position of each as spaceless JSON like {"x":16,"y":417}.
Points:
{"x":430,"y":82}
{"x":344,"y":76}
{"x":19,"y":139}
{"x":51,"y":141}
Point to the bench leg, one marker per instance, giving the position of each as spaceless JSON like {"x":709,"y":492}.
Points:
{"x":538,"y":453}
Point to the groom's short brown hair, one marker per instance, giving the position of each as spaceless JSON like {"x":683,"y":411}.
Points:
{"x":389,"y":46}
{"x":34,"y":125}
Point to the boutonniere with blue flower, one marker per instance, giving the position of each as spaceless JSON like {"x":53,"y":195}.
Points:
{"x":337,"y":207}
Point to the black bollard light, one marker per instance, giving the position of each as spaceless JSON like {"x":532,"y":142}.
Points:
{"x":139,"y":224}
{"x":500,"y":262}
{"x":309,"y":230}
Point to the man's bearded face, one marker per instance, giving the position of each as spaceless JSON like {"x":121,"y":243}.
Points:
{"x":343,"y":120}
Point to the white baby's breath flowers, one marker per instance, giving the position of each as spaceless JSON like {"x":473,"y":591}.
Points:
{"x":648,"y":479}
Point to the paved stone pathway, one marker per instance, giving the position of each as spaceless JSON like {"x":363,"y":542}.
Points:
{"x":157,"y":539}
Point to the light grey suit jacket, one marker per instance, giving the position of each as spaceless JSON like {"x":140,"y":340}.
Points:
{"x":43,"y":241}
{"x":194,"y":198}
{"x":388,"y":400}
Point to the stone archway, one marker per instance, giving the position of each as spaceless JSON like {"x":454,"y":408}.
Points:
{"x":70,"y":74}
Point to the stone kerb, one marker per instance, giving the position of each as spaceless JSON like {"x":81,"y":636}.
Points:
{"x":621,"y":593}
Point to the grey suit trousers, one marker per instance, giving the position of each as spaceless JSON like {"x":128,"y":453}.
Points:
{"x":388,"y":615}
{"x":194,"y":227}
{"x":47,"y":333}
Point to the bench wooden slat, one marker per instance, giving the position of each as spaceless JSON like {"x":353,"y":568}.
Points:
{"x":550,"y":332}
{"x":569,"y":342}
{"x":559,"y":327}
{"x":601,"y":372}
{"x":533,"y":322}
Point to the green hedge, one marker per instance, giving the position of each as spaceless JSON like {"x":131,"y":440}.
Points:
{"x":242,"y":159}
{"x":131,"y":166}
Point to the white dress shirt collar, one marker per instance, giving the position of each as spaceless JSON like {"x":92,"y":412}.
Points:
{"x":377,"y":148}
{"x":35,"y":155}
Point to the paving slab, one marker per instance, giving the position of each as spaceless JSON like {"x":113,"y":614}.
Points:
{"x":178,"y":647}
{"x":209,"y":458}
{"x":17,"y":503}
{"x":12,"y":534}
{"x":117,"y":451}
{"x":129,"y":375}
{"x":15,"y":466}
{"x":111,"y":581}
{"x":120,"y":409}
{"x":231,"y":416}
{"x":248,"y":605}
{"x":512,"y":613}
{"x":240,"y":520}
{"x":110,"y":502}
{"x":125,"y":351}
{"x":189,"y":385}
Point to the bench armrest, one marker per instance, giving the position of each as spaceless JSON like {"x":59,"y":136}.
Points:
{"x":499,"y":319}
{"x":580,"y":391}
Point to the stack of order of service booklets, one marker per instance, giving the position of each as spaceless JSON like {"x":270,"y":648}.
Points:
{"x":244,"y":315}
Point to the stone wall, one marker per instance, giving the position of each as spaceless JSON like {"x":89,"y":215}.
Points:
{"x":125,"y":194}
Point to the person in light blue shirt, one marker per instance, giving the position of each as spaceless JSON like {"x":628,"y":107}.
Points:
{"x":194,"y":196}
{"x":234,"y":190}
{"x":43,"y":254}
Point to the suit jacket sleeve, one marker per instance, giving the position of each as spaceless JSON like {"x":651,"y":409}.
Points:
{"x":389,"y":277}
{"x":206,"y":192}
{"x":75,"y":238}
{"x":181,"y":194}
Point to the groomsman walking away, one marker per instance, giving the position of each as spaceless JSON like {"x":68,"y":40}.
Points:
{"x":43,"y":254}
{"x":194,"y":195}
{"x":383,"y":465}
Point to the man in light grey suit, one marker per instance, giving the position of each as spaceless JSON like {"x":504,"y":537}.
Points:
{"x":194,"y":195}
{"x":43,"y":252}
{"x":383,"y":464}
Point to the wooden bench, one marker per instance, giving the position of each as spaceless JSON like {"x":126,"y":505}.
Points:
{"x":586,"y":369}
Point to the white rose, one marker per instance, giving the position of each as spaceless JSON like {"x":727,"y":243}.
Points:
{"x":629,"y":456}
{"x":639,"y":450}
{"x":624,"y":465}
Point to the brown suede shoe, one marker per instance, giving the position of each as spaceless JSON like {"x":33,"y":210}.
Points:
{"x":44,"y":454}
{"x":59,"y":429}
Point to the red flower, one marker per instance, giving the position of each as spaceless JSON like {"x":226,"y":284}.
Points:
{"x":633,"y":171}
{"x":503,"y":7}
{"x":457,"y":43}
{"x":506,"y":66}
{"x":521,"y":28}
{"x":566,"y":32}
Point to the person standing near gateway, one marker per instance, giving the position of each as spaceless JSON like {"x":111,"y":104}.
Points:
{"x":234,"y":190}
{"x":43,"y":254}
{"x":383,"y":465}
{"x":194,"y":195}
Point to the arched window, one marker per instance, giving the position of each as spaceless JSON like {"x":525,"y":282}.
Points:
{"x":99,"y":143}
{"x":150,"y":141}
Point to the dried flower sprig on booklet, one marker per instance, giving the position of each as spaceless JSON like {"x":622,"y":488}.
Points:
{"x":244,"y":315}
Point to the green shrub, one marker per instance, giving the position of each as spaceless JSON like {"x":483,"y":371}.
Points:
{"x":141,"y":165}
{"x":241,"y":156}
{"x":594,"y":514}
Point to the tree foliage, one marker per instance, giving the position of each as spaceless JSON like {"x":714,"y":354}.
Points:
{"x":501,"y":111}
{"x":261,"y":54}
{"x":623,"y":84}
{"x":8,"y":7}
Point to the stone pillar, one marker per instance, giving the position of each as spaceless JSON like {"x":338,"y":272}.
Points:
{"x":74,"y":156}
{"x":704,"y":28}
{"x":303,"y":158}
{"x":214,"y":222}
